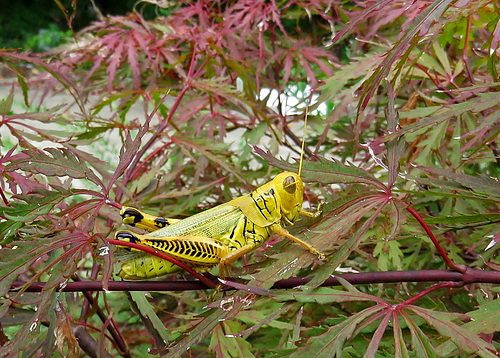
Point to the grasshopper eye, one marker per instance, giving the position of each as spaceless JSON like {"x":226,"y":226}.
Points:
{"x":289,"y":184}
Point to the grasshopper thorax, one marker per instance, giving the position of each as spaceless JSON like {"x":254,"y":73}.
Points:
{"x":290,"y":189}
{"x":277,"y":201}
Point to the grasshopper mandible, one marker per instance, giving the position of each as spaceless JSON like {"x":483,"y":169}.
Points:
{"x":220,"y":235}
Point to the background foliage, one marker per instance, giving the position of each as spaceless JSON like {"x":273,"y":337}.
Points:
{"x":162,"y":113}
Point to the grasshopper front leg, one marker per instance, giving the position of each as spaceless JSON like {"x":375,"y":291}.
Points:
{"x":284,"y":232}
{"x":316,"y":214}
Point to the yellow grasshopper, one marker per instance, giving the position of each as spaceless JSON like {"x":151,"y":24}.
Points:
{"x":216,"y":236}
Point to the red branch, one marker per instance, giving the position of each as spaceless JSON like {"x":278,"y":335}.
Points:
{"x":447,"y":260}
{"x":448,"y":284}
{"x":457,"y":278}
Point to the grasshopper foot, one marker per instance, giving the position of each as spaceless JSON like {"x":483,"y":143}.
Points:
{"x":217,"y":290}
{"x":320,"y":255}
{"x":315,"y":214}
{"x":315,"y":251}
{"x":319,"y":210}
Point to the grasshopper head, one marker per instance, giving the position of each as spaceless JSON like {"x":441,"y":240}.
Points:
{"x":290,"y":189}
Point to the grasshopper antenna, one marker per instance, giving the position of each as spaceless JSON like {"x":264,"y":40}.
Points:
{"x":303,"y":139}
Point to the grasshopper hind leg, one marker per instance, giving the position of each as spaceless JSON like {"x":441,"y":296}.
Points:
{"x":200,"y":253}
{"x":135,"y":217}
{"x":127,"y":236}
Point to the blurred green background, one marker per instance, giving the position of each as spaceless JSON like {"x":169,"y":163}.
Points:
{"x":40,"y":25}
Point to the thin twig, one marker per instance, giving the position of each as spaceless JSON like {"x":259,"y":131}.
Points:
{"x":117,"y":337}
{"x":86,"y":342}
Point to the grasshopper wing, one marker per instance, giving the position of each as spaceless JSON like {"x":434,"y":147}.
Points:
{"x":212,"y":223}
